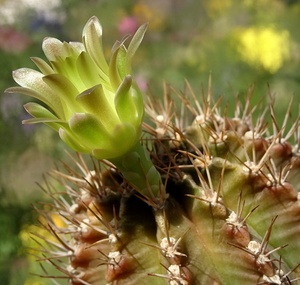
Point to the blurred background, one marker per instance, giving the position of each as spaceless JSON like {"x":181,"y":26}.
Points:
{"x":240,"y":42}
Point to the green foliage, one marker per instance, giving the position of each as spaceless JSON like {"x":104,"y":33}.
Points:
{"x":12,"y":253}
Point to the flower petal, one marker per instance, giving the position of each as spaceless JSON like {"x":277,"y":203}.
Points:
{"x":67,"y":91}
{"x":68,"y":68}
{"x":89,"y":130}
{"x":90,"y":73}
{"x":72,"y":141}
{"x":138,"y":99}
{"x":34,"y":121}
{"x":103,"y":153}
{"x":123,"y":138}
{"x":77,"y":46}
{"x":38,"y":111}
{"x":53,"y":48}
{"x":124,"y":103}
{"x":42,"y":115}
{"x":42,"y":65}
{"x":32,"y":79}
{"x":99,"y":102}
{"x":117,"y":62}
{"x":121,"y":61}
{"x":134,"y":44}
{"x":92,"y":39}
{"x":71,"y":50}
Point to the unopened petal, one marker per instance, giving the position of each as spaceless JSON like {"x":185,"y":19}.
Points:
{"x":138,"y":99}
{"x":99,"y":102}
{"x":124,"y":103}
{"x":89,"y":130}
{"x":104,"y":153}
{"x":92,"y":39}
{"x":70,"y":50}
{"x":42,"y":115}
{"x":33,"y":85}
{"x":52,"y":48}
{"x":67,"y":92}
{"x":29,"y":78}
{"x":43,"y":66}
{"x":117,"y":57}
{"x":78,"y":46}
{"x":72,"y":141}
{"x":134,"y":44}
{"x":90,"y":73}
{"x":38,"y":111}
{"x":123,"y":138}
{"x":68,"y":68}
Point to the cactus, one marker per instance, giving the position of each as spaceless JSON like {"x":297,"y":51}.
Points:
{"x":224,"y":210}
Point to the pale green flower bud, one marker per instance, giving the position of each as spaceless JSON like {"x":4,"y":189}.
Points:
{"x":95,"y":105}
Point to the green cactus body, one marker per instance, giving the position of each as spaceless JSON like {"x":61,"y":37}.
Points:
{"x":210,"y":201}
{"x":231,"y":215}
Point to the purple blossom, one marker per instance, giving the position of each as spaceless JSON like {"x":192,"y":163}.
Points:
{"x":13,"y":41}
{"x":128,"y":25}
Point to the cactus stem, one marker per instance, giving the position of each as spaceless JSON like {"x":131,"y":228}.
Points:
{"x":238,"y":175}
{"x":235,"y":219}
{"x":259,"y":252}
{"x":285,"y":276}
{"x":169,"y":247}
{"x":97,"y":216}
{"x":277,"y":178}
{"x":155,"y":203}
{"x":177,"y":275}
{"x":280,"y":277}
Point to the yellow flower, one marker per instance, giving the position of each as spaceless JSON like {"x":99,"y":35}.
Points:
{"x":264,"y":47}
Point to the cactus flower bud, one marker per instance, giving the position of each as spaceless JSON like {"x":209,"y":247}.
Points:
{"x":95,"y":106}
